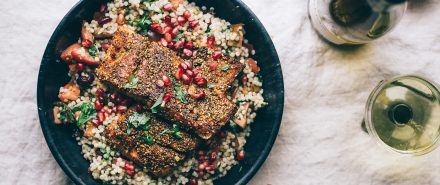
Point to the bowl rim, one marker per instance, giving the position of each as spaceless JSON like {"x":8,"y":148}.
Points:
{"x":45,"y":124}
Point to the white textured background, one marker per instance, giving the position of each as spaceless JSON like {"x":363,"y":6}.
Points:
{"x":320,"y":141}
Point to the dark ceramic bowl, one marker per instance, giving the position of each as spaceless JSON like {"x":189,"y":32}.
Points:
{"x":53,"y":74}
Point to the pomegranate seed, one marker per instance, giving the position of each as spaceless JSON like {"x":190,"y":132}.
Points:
{"x":216,"y":55}
{"x":102,"y":8}
{"x":175,"y":31}
{"x":210,"y":41}
{"x":107,"y":110}
{"x":198,"y":95}
{"x":189,"y":73}
{"x":213,"y":65}
{"x":112,"y":96}
{"x":154,"y":26}
{"x":202,"y":82}
{"x":165,"y":99}
{"x":170,"y":44}
{"x":210,"y":168}
{"x":186,"y":79}
{"x":167,"y":29}
{"x":187,"y":52}
{"x":160,"y":83}
{"x":240,"y":155}
{"x":101,"y":117}
{"x":129,"y":168}
{"x":101,"y":99}
{"x":193,"y":181}
{"x":201,"y":174}
{"x":181,"y":20}
{"x":202,"y":158}
{"x":183,"y":66}
{"x":96,"y":122}
{"x":86,"y":43}
{"x":121,"y":108}
{"x":194,"y":23}
{"x":168,"y":37}
{"x":105,"y":46}
{"x":202,"y":167}
{"x":187,"y":14}
{"x":163,"y":42}
{"x":137,"y":107}
{"x":167,"y":7}
{"x":188,"y":63}
{"x":179,"y":73}
{"x":80,"y":66}
{"x":198,"y":77}
{"x":98,"y":105}
{"x":244,"y":79}
{"x":99,"y":92}
{"x":104,"y":20}
{"x":167,"y":19}
{"x":166,"y":80}
{"x":179,"y":44}
{"x":196,"y":71}
{"x":188,"y":45}
{"x":213,"y":156}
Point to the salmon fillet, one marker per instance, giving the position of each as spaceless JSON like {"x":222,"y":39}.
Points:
{"x":131,"y":54}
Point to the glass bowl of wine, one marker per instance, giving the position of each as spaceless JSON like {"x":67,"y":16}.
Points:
{"x":403,"y":114}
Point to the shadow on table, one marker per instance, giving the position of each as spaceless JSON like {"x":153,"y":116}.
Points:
{"x":419,"y":4}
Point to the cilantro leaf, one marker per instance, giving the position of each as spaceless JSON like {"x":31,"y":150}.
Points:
{"x":138,"y":120}
{"x":178,"y":36}
{"x":143,"y":23}
{"x":179,"y":93}
{"x":88,"y":112}
{"x":156,"y":105}
{"x":175,"y":132}
{"x":147,"y":139}
{"x":132,"y":82}
{"x":93,"y":50}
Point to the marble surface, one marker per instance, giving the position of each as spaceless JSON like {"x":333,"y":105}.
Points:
{"x":320,"y":141}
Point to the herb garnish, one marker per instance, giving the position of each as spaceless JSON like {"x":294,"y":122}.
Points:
{"x":178,"y":36}
{"x":157,"y":104}
{"x":93,"y":50}
{"x":143,"y":23}
{"x":175,"y":132}
{"x":132,"y":82}
{"x":87,"y":110}
{"x":179,"y":93}
{"x":138,"y":120}
{"x":147,"y":139}
{"x":225,"y":67}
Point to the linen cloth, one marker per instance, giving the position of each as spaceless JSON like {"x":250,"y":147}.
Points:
{"x":320,"y":140}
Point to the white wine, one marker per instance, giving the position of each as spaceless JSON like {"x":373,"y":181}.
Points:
{"x":404,"y":114}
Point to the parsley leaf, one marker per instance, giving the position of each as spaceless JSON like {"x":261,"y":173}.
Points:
{"x":138,"y":120}
{"x":132,"y":82}
{"x":225,"y":68}
{"x":143,"y":23}
{"x":93,"y":50}
{"x":178,"y":36}
{"x":88,"y":112}
{"x":179,"y":93}
{"x":175,"y":132}
{"x":156,"y":105}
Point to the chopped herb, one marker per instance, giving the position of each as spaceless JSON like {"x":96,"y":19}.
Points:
{"x":179,"y":93}
{"x":93,"y":50}
{"x":87,"y":110}
{"x":225,"y":68}
{"x":197,"y":63}
{"x":143,"y":23}
{"x":208,"y":29}
{"x":156,"y":105}
{"x":147,"y":139}
{"x":128,"y":129}
{"x":178,"y":36}
{"x":132,"y":82}
{"x":138,"y":120}
{"x":211,"y":85}
{"x":175,"y":132}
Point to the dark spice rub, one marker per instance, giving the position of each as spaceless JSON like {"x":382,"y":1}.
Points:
{"x":159,"y":156}
{"x":132,"y":56}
